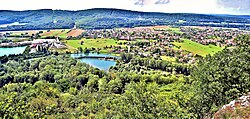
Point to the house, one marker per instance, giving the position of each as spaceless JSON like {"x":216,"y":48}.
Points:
{"x":40,"y":41}
{"x":33,"y":46}
{"x":124,"y":38}
{"x":1,"y":35}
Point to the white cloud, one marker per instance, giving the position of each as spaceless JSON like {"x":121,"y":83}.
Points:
{"x":174,"y":6}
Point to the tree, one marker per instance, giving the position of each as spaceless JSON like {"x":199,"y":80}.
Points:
{"x":126,"y":57}
{"x":80,"y":49}
{"x":222,"y":78}
{"x":86,"y":51}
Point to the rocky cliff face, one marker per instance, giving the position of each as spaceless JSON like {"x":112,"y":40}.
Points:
{"x":237,"y":109}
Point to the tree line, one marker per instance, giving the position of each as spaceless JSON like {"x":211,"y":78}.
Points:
{"x":62,"y":87}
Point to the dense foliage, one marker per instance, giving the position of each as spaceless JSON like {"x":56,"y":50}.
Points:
{"x":222,"y":78}
{"x":110,"y":18}
{"x":147,"y":65}
{"x":62,"y":87}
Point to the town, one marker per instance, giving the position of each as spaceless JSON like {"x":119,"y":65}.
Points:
{"x":159,"y":42}
{"x":125,"y":59}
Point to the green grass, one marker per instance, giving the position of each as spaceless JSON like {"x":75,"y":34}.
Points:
{"x":167,"y":58}
{"x":171,"y":29}
{"x":175,"y":30}
{"x":16,"y":34}
{"x":197,"y":48}
{"x":19,"y":33}
{"x":63,"y":34}
{"x":55,"y":33}
{"x":14,"y":39}
{"x":95,"y":43}
{"x":92,"y":43}
{"x":63,"y":50}
{"x":143,"y":40}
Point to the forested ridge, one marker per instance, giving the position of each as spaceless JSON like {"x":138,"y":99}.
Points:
{"x":62,"y":87}
{"x":100,"y":18}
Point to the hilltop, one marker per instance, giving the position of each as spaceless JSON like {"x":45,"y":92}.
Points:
{"x":101,"y":18}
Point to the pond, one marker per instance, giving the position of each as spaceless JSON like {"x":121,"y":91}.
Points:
{"x":98,"y":63}
{"x":14,"y":50}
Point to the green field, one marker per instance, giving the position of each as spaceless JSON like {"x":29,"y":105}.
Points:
{"x":64,"y":33}
{"x":55,"y":33}
{"x":19,"y":33}
{"x":197,"y":48}
{"x":167,"y":58}
{"x":92,"y":43}
{"x":171,"y":29}
{"x":175,"y":30}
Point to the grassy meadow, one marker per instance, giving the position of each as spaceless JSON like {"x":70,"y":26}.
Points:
{"x":175,"y":30}
{"x":91,"y":43}
{"x":197,"y":48}
{"x":168,"y":58}
{"x":170,"y":29}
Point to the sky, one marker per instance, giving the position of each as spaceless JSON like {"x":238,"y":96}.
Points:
{"x":237,"y":7}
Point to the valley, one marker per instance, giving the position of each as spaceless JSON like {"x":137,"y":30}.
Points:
{"x":109,"y":63}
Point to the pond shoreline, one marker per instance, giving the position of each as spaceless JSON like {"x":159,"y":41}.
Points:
{"x":97,"y":60}
{"x":11,"y":50}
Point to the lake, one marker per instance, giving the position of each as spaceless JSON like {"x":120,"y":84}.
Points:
{"x":14,"y":50}
{"x":100,"y":64}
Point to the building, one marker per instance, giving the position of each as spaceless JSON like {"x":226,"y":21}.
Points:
{"x":40,"y":45}
{"x":2,"y":36}
{"x":41,"y":41}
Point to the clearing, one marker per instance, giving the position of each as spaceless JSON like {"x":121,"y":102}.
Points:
{"x":92,"y":43}
{"x":197,"y":48}
{"x":19,"y":33}
{"x":167,"y":28}
{"x":168,"y":58}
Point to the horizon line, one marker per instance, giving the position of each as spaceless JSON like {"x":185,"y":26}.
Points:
{"x":124,"y":10}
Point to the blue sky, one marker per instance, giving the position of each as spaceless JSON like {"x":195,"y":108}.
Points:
{"x":168,"y":6}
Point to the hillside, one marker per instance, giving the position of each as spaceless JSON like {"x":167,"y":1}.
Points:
{"x":111,"y":18}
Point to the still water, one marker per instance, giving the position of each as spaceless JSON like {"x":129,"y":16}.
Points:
{"x":14,"y":50}
{"x":100,"y":64}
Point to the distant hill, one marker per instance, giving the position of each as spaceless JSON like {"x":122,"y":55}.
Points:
{"x":109,"y":18}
